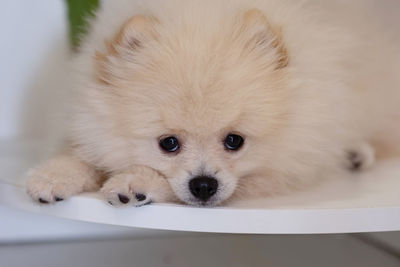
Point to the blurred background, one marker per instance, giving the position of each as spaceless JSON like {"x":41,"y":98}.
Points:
{"x":40,"y":37}
{"x":37,"y":40}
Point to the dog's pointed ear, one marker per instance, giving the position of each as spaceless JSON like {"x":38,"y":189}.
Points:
{"x":132,"y":36}
{"x":135,"y":31}
{"x":260,"y":32}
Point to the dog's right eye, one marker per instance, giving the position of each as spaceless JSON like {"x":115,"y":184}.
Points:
{"x":170,"y":144}
{"x":233,"y":142}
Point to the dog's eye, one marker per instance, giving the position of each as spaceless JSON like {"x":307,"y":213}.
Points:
{"x":170,"y":144}
{"x":233,"y":142}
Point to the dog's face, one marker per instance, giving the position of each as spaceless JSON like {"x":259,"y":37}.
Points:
{"x":199,"y":107}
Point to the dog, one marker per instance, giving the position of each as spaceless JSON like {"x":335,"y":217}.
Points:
{"x":201,"y":102}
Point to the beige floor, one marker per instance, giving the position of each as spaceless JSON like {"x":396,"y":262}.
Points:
{"x":196,"y":251}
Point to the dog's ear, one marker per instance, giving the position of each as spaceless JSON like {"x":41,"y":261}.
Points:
{"x":259,"y":32}
{"x":135,"y":31}
{"x":132,"y":36}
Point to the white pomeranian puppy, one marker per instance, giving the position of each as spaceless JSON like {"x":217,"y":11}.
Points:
{"x":203,"y":101}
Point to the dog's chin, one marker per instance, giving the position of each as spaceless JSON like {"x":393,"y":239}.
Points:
{"x":214,"y":201}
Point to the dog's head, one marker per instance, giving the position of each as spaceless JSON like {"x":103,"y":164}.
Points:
{"x":200,"y":106}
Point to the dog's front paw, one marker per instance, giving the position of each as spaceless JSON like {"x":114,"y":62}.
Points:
{"x":140,"y":187}
{"x":360,"y":157}
{"x":124,"y":189}
{"x":59,"y":178}
{"x":47,"y":186}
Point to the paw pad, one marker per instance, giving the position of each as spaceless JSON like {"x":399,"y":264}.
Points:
{"x":43,"y":201}
{"x":356,"y":161}
{"x":123,"y":199}
{"x":140,"y":197}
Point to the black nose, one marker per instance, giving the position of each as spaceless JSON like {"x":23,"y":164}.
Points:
{"x":203,"y":187}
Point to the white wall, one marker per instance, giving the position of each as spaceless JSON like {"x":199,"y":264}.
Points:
{"x":33,"y":48}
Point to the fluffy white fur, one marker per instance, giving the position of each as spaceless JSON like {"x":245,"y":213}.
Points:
{"x":305,"y":82}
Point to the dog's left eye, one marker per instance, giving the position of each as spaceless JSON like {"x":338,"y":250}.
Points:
{"x":170,"y":144}
{"x":233,"y":142}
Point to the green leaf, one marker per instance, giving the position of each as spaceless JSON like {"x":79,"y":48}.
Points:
{"x":79,"y":11}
